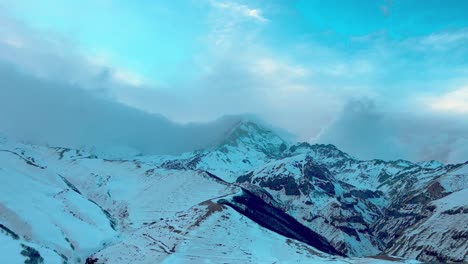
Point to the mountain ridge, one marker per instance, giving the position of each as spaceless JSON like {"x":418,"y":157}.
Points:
{"x":155,"y":204}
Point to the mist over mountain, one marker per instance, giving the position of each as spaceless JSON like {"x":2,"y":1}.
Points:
{"x":347,"y":102}
{"x":252,"y":198}
{"x":61,"y":114}
{"x":65,"y":114}
{"x":367,"y":131}
{"x":233,"y":131}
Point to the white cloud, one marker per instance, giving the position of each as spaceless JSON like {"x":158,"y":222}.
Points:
{"x":348,"y":69}
{"x":258,"y":81}
{"x":127,"y":77}
{"x":46,"y":55}
{"x":239,"y":79}
{"x":239,"y":9}
{"x":444,"y":39}
{"x":301,"y":89}
{"x":118,"y":74}
{"x":267,"y":67}
{"x":454,"y":101}
{"x":13,"y":42}
{"x":230,"y":25}
{"x":367,"y":130}
{"x":63,"y":114}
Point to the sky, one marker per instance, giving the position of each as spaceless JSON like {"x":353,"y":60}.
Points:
{"x":378,"y":78}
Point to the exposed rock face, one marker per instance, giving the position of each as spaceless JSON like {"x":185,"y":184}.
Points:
{"x":308,"y":191}
{"x":361,"y":207}
{"x":367,"y":207}
{"x":308,"y":198}
{"x":433,"y":225}
{"x":253,"y":206}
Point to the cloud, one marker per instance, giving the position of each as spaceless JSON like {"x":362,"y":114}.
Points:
{"x":454,"y":101}
{"x":51,"y":92}
{"x":60,"y":114}
{"x":45,"y":54}
{"x":239,"y":10}
{"x":302,"y":88}
{"x":118,"y":74}
{"x":231,"y":24}
{"x":232,"y":80}
{"x":364,"y":129}
{"x":443,"y":44}
{"x":255,"y":81}
{"x":445,"y":40}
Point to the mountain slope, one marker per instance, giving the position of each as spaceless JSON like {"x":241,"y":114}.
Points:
{"x":349,"y":201}
{"x":252,"y":198}
{"x":442,"y":237}
{"x":363,"y":207}
{"x":62,"y":205}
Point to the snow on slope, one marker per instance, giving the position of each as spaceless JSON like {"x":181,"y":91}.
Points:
{"x":150,"y":209}
{"x":308,"y":191}
{"x":39,"y":207}
{"x":15,"y":251}
{"x":246,"y":147}
{"x":228,"y":237}
{"x":55,"y":204}
{"x":212,"y":233}
{"x":207,"y":233}
{"x":443,"y":237}
{"x":346,"y":205}
{"x":62,"y":205}
{"x":360,"y":209}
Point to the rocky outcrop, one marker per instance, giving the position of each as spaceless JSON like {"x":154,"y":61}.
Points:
{"x":315,"y":195}
{"x":253,"y":206}
{"x":366,"y":207}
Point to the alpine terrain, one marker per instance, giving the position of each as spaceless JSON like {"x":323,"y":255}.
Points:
{"x":252,"y":198}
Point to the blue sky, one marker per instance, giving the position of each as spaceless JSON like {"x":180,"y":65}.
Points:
{"x":154,"y":39}
{"x":298,"y":64}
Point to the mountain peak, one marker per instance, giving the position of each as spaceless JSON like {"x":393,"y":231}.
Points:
{"x":431,"y":164}
{"x":252,"y":135}
{"x":319,"y":151}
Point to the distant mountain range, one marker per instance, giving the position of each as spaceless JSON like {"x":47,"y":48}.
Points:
{"x":253,"y":198}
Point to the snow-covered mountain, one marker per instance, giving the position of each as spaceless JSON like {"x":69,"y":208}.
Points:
{"x":253,"y":198}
